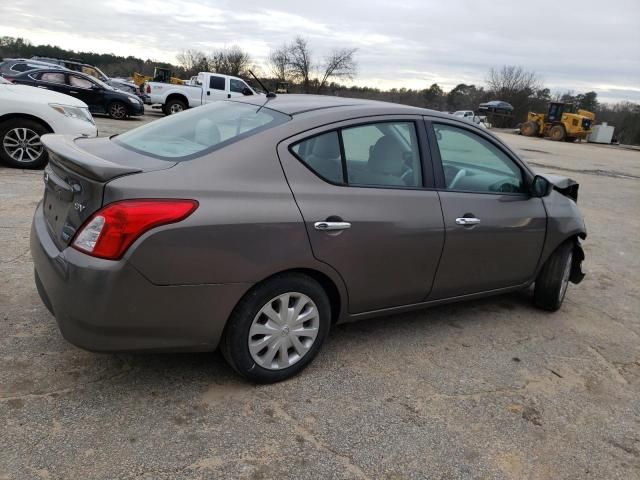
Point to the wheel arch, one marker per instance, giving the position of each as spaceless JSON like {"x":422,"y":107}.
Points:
{"x":13,"y":116}
{"x":337,"y":298}
{"x":177,"y":96}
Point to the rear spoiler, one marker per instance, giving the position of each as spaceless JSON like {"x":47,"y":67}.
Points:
{"x":64,"y":151}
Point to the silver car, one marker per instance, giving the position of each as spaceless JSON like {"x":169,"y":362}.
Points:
{"x":257,"y":224}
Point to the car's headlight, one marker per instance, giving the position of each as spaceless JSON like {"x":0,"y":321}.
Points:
{"x":80,"y":113}
{"x":134,"y":99}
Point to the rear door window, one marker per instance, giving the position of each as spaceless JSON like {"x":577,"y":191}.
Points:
{"x":52,"y":77}
{"x":216,"y":83}
{"x":384,"y":154}
{"x":322,"y":155}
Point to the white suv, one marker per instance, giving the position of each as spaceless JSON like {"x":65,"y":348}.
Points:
{"x":26,"y":113}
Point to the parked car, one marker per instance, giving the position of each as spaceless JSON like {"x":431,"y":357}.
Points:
{"x":100,"y":97}
{"x":257,"y":226}
{"x":496,"y":106}
{"x":27,"y":113}
{"x":10,"y":67}
{"x":206,"y":88}
{"x":88,"y":69}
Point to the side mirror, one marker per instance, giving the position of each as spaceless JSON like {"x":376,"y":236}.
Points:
{"x":247,"y":91}
{"x":540,"y":186}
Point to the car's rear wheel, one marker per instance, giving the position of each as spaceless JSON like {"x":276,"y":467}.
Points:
{"x":553,"y":279}
{"x":277,"y":328}
{"x":174,"y":106}
{"x":20,"y":144}
{"x":118,"y":110}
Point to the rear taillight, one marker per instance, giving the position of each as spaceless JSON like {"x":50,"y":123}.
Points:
{"x":111,"y":230}
{"x":148,"y":88}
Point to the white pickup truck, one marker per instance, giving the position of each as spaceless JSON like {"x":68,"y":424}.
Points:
{"x":205,"y":88}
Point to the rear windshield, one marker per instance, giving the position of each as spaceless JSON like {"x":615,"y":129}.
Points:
{"x":198,"y":131}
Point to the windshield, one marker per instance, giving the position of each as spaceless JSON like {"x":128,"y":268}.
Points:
{"x":200,"y":130}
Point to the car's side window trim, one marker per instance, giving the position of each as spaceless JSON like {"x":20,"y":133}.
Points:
{"x":440,"y":182}
{"x":426,"y":164}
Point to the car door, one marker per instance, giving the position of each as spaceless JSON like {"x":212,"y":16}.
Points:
{"x":364,"y":191}
{"x":217,"y":89}
{"x":84,"y":89}
{"x":495,"y":230}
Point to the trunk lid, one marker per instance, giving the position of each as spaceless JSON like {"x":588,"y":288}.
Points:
{"x":75,"y":178}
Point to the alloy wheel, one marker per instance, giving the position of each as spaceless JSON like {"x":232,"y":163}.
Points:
{"x":118,"y":111}
{"x":23,"y":145}
{"x":283,"y":331}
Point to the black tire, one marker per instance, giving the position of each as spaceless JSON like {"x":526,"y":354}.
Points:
{"x":118,"y":110}
{"x":32,"y":129}
{"x":529,"y":129}
{"x":174,"y":106}
{"x":553,"y":279}
{"x":234,"y":344}
{"x":557,"y":133}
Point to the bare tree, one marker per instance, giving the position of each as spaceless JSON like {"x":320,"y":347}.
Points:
{"x":338,"y":64}
{"x":278,"y":62}
{"x":193,"y":61}
{"x":230,"y":61}
{"x":511,"y":79}
{"x":300,"y":62}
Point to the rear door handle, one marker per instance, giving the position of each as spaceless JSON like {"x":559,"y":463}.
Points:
{"x":467,"y":221}
{"x":72,"y":91}
{"x":326,"y":226}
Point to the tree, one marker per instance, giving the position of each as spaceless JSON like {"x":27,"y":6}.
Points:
{"x":511,"y":80}
{"x":278,"y":63}
{"x":230,"y":61}
{"x":434,"y":97}
{"x":587,"y":101}
{"x":193,"y":62}
{"x":339,"y":63}
{"x":515,"y":85}
{"x":300,"y":62}
{"x":464,"y":97}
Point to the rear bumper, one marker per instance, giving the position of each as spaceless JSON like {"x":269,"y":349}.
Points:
{"x":103,"y":305}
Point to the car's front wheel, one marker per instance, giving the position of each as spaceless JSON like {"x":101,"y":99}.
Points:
{"x":20,"y":144}
{"x":277,"y":328}
{"x":553,"y":279}
{"x":118,"y":110}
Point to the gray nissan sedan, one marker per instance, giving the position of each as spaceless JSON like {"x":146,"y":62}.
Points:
{"x":255,"y":225}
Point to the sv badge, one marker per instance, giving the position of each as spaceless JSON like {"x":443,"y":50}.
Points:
{"x":79,"y":207}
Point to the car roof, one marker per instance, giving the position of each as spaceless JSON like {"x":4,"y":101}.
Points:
{"x":295,"y":104}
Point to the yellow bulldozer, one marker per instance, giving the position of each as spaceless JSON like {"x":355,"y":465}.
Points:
{"x":561,"y":122}
{"x":159,"y":75}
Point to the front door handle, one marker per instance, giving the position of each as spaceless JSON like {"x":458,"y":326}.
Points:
{"x":327,"y":226}
{"x":72,"y":91}
{"x":467,"y":221}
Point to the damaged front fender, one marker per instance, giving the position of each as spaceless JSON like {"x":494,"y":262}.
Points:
{"x":564,"y":185}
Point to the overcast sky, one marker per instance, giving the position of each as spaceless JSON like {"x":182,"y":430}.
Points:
{"x":579,"y":45}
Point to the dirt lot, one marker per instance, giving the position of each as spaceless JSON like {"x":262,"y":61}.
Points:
{"x":485,"y":389}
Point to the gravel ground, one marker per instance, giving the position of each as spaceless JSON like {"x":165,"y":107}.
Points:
{"x":484,"y":389}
